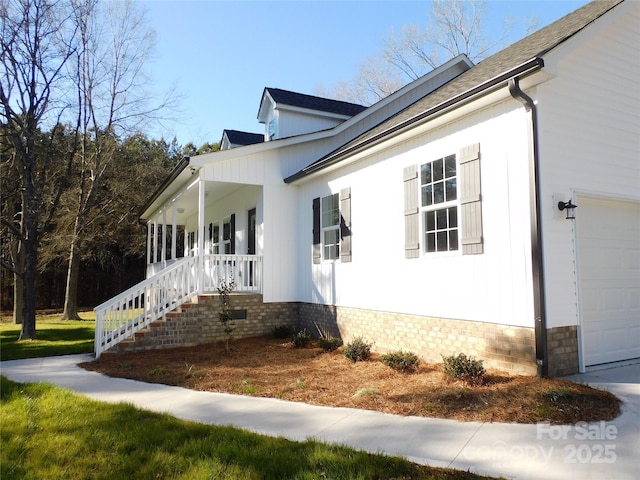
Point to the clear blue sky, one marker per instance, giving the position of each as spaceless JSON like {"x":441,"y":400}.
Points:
{"x":221,"y":54}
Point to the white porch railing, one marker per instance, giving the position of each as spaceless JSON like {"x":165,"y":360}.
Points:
{"x":151,"y":299}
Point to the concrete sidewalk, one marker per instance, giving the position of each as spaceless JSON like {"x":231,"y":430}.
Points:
{"x":608,"y":450}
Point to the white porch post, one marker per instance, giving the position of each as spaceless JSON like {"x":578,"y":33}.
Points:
{"x":155,"y":240}
{"x":174,"y":231}
{"x":164,"y":237}
{"x":148,"y":243}
{"x":201,"y":234}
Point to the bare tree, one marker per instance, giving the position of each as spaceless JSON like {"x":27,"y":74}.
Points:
{"x":110,"y":80}
{"x":455,"y":27}
{"x":34,"y":52}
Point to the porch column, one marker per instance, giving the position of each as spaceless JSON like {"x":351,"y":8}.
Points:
{"x":148,"y":243}
{"x":155,"y":240}
{"x":174,"y":231}
{"x":164,"y":237}
{"x":201,"y":234}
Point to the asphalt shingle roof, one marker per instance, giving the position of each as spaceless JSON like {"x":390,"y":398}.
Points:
{"x":237,"y":137}
{"x":529,"y":48}
{"x":314,"y":103}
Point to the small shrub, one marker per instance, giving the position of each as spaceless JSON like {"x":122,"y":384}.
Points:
{"x":401,"y":361}
{"x":329,"y":344}
{"x":282,"y":331}
{"x":357,"y":350}
{"x":301,"y":339}
{"x":464,"y":368}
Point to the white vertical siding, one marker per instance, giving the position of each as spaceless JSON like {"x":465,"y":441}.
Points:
{"x":589,"y":139}
{"x":492,"y":287}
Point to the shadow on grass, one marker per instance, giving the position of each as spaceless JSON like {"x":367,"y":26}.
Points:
{"x":52,"y":339}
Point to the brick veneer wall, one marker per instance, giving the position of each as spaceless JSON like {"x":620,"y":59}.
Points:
{"x":499,"y":346}
{"x":199,"y":322}
{"x":562,"y":346}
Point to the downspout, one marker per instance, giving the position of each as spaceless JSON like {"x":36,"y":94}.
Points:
{"x":537,"y":256}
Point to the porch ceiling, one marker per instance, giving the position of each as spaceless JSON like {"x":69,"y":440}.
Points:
{"x":187,"y":201}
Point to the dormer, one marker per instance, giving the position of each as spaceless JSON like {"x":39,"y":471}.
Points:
{"x":287,"y":114}
{"x":235,"y":138}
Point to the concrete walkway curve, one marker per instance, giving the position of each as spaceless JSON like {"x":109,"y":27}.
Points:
{"x":604,"y":450}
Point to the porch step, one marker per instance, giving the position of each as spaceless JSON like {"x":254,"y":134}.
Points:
{"x":142,"y":340}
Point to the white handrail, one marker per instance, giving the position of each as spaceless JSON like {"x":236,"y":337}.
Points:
{"x":144,"y":303}
{"x":151,"y":299}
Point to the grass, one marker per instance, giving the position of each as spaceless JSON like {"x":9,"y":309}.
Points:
{"x":54,"y":337}
{"x":274,"y":368}
{"x":52,"y":433}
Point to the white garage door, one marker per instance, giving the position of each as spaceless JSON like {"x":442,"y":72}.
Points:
{"x":608,"y":234}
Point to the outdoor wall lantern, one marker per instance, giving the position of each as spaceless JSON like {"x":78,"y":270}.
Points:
{"x":569,"y":207}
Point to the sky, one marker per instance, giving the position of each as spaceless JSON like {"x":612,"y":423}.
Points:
{"x":218,"y":56}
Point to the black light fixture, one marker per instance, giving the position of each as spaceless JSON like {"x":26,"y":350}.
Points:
{"x":569,"y":207}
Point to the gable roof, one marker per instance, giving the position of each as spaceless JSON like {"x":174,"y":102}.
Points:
{"x":237,"y":137}
{"x":311,"y":102}
{"x":519,"y":59}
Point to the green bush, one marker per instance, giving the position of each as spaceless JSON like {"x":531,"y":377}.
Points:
{"x":401,"y":361}
{"x":329,"y":344}
{"x":282,"y":331}
{"x":463,"y":368}
{"x":301,"y":339}
{"x":357,"y":350}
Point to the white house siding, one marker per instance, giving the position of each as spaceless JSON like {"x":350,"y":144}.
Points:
{"x":493,"y":287}
{"x":589,"y":139}
{"x":240,"y":201}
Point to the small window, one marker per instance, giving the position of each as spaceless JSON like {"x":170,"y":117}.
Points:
{"x":330,"y":224}
{"x":438,"y":200}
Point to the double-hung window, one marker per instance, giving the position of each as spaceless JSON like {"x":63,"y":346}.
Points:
{"x":439,"y":205}
{"x":331,"y":227}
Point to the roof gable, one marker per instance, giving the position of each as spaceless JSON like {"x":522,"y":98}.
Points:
{"x":237,"y":137}
{"x":311,"y":102}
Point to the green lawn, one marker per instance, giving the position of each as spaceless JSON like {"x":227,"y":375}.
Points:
{"x":51,"y":433}
{"x":54,"y":337}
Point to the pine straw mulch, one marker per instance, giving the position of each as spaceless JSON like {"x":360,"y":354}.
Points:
{"x":267,"y":367}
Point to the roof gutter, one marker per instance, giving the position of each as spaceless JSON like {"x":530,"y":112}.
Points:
{"x":177,"y":170}
{"x":537,"y":256}
{"x":521,"y":70}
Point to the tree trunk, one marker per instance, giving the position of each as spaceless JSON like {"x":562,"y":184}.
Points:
{"x":70,"y":311}
{"x":30,"y":247}
{"x":17,"y":257}
{"x":18,"y":299}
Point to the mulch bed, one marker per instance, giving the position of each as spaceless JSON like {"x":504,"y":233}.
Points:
{"x":268,"y":367}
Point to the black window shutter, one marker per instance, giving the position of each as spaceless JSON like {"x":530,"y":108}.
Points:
{"x":470,"y":200}
{"x":411,"y":218}
{"x":317,"y":252}
{"x":233,"y":233}
{"x":345,"y":225}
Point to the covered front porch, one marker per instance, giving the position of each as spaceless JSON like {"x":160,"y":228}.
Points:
{"x":200,"y":235}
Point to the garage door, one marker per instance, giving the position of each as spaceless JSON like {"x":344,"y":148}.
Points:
{"x":608,"y":242}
